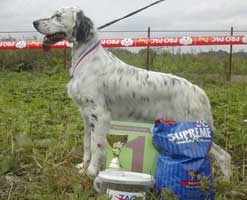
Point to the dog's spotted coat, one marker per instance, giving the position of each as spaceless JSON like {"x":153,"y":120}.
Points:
{"x":105,"y":88}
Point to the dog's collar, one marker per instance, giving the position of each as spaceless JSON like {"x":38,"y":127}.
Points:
{"x":83,"y":55}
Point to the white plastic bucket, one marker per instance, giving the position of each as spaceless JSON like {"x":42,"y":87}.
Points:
{"x":124,"y":184}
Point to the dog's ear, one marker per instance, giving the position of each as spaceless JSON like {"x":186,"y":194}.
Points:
{"x":83,"y":30}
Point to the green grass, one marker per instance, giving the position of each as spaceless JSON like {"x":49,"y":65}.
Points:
{"x":40,"y":139}
{"x":41,"y":131}
{"x":177,"y":62}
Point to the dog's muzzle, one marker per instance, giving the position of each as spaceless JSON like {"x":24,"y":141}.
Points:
{"x":49,"y":39}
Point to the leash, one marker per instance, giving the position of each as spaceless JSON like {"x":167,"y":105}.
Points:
{"x":130,"y":14}
{"x":83,"y":55}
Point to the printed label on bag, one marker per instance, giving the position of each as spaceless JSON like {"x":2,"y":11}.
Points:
{"x":120,"y":195}
{"x":191,"y":135}
{"x":200,"y":133}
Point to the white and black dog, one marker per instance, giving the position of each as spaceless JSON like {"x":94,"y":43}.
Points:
{"x":105,"y":88}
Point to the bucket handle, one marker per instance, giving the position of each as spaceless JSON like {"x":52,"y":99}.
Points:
{"x":97,"y":184}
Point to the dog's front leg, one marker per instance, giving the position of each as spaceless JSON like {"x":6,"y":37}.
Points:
{"x":86,"y":144}
{"x":99,"y":121}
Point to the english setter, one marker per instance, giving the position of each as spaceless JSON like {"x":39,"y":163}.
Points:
{"x":105,"y":88}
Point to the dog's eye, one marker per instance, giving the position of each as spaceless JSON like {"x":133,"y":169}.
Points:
{"x":58,"y":16}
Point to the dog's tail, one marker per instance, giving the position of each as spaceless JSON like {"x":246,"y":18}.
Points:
{"x":223,"y":159}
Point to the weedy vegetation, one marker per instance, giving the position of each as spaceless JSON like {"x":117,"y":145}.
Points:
{"x":41,"y":131}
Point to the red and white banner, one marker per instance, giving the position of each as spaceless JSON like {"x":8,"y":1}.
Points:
{"x":175,"y":41}
{"x":13,"y":45}
{"x":138,"y":42}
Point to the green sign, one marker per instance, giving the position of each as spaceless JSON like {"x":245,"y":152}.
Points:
{"x":138,"y":155}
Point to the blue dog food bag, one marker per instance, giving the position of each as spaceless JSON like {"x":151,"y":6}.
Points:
{"x":183,"y":166}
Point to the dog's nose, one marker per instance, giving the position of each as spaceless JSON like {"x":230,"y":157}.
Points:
{"x":36,"y":23}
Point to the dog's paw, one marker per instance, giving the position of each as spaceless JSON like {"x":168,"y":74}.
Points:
{"x":80,"y":166}
{"x":82,"y":171}
{"x":92,"y":171}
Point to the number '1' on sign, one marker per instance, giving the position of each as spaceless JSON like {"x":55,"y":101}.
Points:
{"x":138,"y":155}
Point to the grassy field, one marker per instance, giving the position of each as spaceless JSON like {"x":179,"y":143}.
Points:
{"x":41,"y":134}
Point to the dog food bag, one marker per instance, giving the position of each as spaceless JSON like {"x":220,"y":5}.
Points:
{"x":183,"y":168}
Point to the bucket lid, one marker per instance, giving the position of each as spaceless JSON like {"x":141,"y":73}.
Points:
{"x":126,"y":177}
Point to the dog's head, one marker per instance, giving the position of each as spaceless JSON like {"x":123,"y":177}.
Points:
{"x":65,"y":23}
